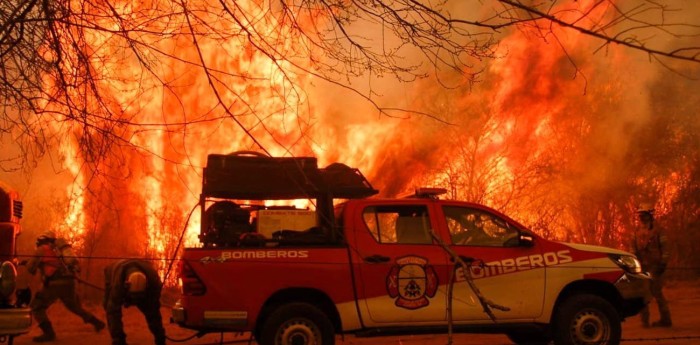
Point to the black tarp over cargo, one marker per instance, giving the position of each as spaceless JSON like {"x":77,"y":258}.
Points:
{"x":245,"y":176}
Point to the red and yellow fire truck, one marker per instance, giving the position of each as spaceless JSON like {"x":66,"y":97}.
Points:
{"x":15,"y":316}
{"x":356,"y":264}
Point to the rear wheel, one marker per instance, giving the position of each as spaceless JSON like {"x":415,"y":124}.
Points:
{"x":8,"y":338}
{"x":586,"y":320}
{"x":297,"y":324}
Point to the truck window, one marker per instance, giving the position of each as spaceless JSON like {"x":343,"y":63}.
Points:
{"x":473,"y":227}
{"x":398,"y":224}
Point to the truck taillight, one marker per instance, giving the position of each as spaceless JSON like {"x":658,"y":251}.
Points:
{"x":190,"y":283}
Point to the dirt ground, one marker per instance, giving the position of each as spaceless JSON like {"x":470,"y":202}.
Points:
{"x":683,"y":296}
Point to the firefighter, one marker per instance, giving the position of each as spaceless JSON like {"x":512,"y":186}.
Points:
{"x":58,"y":283}
{"x":133,"y":282}
{"x":651,"y":248}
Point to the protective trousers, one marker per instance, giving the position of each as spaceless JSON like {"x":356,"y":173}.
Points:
{"x":151,"y":311}
{"x":63,"y":289}
{"x":657,"y":293}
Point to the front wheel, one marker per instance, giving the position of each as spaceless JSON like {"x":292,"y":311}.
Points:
{"x":586,"y":320}
{"x":297,"y":324}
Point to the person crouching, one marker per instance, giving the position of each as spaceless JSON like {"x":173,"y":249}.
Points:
{"x":133,"y":282}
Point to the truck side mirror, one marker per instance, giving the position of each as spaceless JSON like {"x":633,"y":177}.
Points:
{"x":526,"y":240}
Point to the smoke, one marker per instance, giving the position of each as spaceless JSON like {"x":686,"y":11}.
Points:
{"x":555,"y":125}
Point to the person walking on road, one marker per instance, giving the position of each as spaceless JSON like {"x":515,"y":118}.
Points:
{"x":133,"y":282}
{"x":58,"y":284}
{"x":650,"y":246}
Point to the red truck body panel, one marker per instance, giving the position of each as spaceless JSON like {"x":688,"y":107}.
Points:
{"x":244,"y":279}
{"x":267,"y":271}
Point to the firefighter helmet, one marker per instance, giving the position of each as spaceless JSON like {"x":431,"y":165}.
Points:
{"x":645,"y":211}
{"x":645,"y":207}
{"x":136,"y":282}
{"x":48,"y":235}
{"x":46,"y":238}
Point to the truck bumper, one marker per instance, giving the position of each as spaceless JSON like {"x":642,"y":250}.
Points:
{"x":635,"y":292}
{"x":219,"y":319}
{"x":15,"y":321}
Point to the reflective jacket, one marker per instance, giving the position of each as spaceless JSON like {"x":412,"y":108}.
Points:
{"x":47,"y":262}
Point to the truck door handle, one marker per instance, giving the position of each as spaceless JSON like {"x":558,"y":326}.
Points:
{"x":376,"y":259}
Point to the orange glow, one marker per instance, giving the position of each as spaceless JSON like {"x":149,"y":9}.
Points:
{"x":160,"y":165}
{"x":502,"y":138}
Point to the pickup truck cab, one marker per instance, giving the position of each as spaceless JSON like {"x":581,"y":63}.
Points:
{"x":370,"y":266}
{"x":15,"y":316}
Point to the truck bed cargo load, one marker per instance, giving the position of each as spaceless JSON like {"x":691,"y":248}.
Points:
{"x":231,"y":181}
{"x":249,"y":177}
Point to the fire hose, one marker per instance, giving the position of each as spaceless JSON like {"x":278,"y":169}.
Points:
{"x":199,"y":334}
{"x":461,"y":262}
{"x":84,"y":282}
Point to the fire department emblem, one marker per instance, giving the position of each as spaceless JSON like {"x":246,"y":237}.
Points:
{"x":411,"y":281}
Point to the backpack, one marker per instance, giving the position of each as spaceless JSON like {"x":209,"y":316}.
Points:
{"x":66,"y":256}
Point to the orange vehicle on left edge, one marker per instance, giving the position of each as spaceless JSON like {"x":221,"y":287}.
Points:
{"x":15,"y":315}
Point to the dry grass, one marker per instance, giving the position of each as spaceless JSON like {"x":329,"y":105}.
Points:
{"x":684,"y":297}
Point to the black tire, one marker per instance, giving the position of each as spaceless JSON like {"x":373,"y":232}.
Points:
{"x":586,"y":320}
{"x":529,"y":337}
{"x":297,"y":324}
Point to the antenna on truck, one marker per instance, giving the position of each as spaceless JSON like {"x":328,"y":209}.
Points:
{"x":427,"y":193}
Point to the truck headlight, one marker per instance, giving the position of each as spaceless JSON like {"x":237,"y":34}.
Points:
{"x":628,"y":263}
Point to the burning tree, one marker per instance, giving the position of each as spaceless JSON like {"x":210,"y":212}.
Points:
{"x":134,"y":95}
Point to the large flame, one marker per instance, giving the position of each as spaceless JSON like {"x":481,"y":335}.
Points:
{"x":506,"y":140}
{"x":170,"y":119}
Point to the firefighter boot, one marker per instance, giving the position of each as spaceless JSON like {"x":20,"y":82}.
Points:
{"x":95,"y":322}
{"x":48,"y":335}
{"x":664,"y":322}
{"x":645,"y":317}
